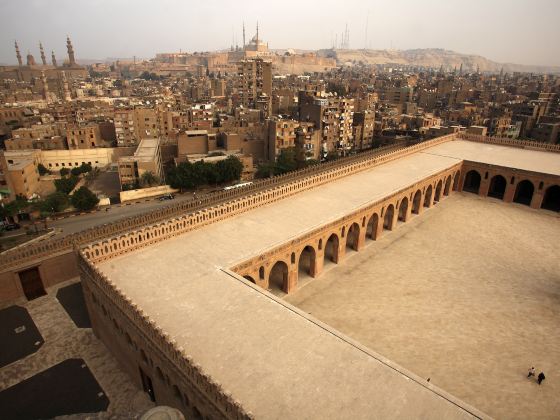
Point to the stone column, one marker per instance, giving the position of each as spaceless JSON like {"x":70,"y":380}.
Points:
{"x":292,"y":278}
{"x":538,"y":197}
{"x":510,"y":191}
{"x":484,"y":186}
{"x":341,"y":249}
{"x":319,"y":262}
{"x":361,"y":238}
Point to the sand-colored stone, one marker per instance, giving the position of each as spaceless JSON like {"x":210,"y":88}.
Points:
{"x":466,"y":294}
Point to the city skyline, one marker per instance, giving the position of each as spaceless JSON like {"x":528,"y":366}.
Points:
{"x":171,"y":27}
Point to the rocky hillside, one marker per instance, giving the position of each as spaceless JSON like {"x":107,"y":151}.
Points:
{"x":431,"y":57}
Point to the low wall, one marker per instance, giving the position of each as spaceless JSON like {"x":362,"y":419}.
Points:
{"x":150,"y":234}
{"x":185,"y":383}
{"x":132,"y":195}
{"x":504,"y":141}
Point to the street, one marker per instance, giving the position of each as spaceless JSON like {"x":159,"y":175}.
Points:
{"x":118,"y":211}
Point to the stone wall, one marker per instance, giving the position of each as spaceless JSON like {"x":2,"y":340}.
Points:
{"x":137,"y":342}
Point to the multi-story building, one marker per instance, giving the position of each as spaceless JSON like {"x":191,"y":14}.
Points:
{"x":254,"y":80}
{"x":83,"y":136}
{"x":147,"y":158}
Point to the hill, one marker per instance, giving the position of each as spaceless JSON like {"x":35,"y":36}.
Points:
{"x":431,"y":57}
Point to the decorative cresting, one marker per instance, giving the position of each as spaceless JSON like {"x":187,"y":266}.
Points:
{"x":59,"y":246}
{"x":504,"y":141}
{"x":133,"y":240}
{"x":186,"y":366}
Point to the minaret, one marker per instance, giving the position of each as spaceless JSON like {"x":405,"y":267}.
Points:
{"x":53,"y":58}
{"x":30,"y":59}
{"x":461,"y":70}
{"x":71,"y":58}
{"x":45,"y":86}
{"x":66,"y":91}
{"x":43,"y":58}
{"x":244,"y":35}
{"x":18,"y":55}
{"x":257,"y":34}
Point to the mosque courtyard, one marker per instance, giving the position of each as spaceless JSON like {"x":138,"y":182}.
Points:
{"x":467,"y":294}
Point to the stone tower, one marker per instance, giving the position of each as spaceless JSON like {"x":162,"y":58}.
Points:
{"x":30,"y":59}
{"x":45,"y":86}
{"x":18,"y":55}
{"x":53,"y":58}
{"x":65,"y":89}
{"x":43,"y":57}
{"x":71,"y":58}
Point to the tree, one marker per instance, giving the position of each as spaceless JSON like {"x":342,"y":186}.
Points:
{"x":66,"y":185}
{"x":229,"y":169}
{"x":82,"y":169}
{"x":64,"y":171}
{"x":42,"y":169}
{"x":54,"y":203}
{"x":148,"y":179}
{"x":14,"y":207}
{"x":83,"y":199}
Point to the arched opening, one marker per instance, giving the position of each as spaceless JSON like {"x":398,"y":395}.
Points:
{"x":417,"y":202}
{"x":261,"y":273}
{"x":372,"y":226}
{"x":472,"y":182}
{"x":403,"y":209}
{"x":306,"y":264}
{"x":428,"y":196}
{"x":456,"y":181}
{"x":331,"y":250}
{"x":196,"y":414}
{"x":388,"y":219}
{"x":447,"y":186}
{"x":551,"y":200}
{"x":524,"y":192}
{"x":437,"y":196}
{"x":250,"y":279}
{"x":278,"y":277}
{"x":353,"y":237}
{"x":497,"y":187}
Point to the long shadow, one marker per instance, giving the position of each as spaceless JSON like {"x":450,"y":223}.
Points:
{"x":19,"y":336}
{"x":64,"y":389}
{"x":72,"y":300}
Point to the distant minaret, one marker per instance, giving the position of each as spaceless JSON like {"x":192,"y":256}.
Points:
{"x":45,"y":86}
{"x":43,"y":58}
{"x":461,"y":70}
{"x":30,"y":59}
{"x":502,"y":73}
{"x":53,"y":58}
{"x":18,"y":55}
{"x":477,"y":69}
{"x":71,"y":58}
{"x":244,"y":35}
{"x":66,"y":91}
{"x":257,"y":33}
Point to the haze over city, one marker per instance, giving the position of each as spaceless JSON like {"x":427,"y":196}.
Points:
{"x":233,"y":210}
{"x":500,"y":30}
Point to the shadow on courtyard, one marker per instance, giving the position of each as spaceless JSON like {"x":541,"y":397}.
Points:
{"x":72,"y":300}
{"x":19,"y":337}
{"x":66,"y":388}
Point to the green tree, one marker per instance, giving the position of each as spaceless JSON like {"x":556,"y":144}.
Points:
{"x":148,"y":179}
{"x":229,"y":169}
{"x":82,"y":169}
{"x":13,"y":207}
{"x":64,"y":171}
{"x":54,"y":203}
{"x":83,"y":199}
{"x":42,"y":169}
{"x":180,"y":176}
{"x":66,"y":185}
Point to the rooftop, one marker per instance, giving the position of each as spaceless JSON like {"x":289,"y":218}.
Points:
{"x":186,"y":278}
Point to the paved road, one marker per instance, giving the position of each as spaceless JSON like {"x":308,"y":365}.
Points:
{"x":79,"y":223}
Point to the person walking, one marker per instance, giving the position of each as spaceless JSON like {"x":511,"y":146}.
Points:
{"x":531,"y":372}
{"x":540,"y":378}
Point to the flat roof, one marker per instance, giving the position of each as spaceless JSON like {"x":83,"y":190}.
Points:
{"x":287,"y":364}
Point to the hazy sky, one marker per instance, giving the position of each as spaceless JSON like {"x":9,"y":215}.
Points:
{"x":518,"y":31}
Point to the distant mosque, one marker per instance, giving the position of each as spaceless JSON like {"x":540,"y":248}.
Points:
{"x":32,"y":70}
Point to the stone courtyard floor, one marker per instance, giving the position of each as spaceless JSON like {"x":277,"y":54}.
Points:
{"x":64,"y":340}
{"x":466,"y":294}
